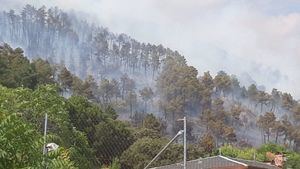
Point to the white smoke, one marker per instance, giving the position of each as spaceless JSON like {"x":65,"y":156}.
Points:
{"x":260,"y":38}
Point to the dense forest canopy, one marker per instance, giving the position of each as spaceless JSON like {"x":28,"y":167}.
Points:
{"x":113,"y":101}
{"x":83,"y":48}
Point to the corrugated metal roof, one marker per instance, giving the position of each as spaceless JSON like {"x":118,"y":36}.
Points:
{"x":256,"y":164}
{"x":205,"y":163}
{"x":218,"y":162}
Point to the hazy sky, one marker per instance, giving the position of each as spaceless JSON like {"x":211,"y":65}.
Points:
{"x":258,"y":37}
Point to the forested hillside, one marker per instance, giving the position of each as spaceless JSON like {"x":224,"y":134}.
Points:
{"x":84,"y":48}
{"x":115,"y":101}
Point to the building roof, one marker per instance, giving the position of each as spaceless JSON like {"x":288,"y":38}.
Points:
{"x":256,"y":164}
{"x":219,"y":162}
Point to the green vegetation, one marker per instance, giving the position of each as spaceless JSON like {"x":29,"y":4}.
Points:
{"x":260,"y":154}
{"x":22,"y":111}
{"x":86,"y":127}
{"x":130,"y":79}
{"x":88,"y":135}
{"x":143,"y":150}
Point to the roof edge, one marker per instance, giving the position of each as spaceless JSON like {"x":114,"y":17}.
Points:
{"x":237,"y":162}
{"x":258,"y":162}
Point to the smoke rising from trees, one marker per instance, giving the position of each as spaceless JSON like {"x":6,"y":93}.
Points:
{"x":260,"y":38}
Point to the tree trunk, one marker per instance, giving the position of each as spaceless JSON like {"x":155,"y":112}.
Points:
{"x":145,"y":106}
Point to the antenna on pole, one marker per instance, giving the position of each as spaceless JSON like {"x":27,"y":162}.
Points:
{"x":184,"y":143}
{"x":162,"y":150}
{"x":45,"y":139}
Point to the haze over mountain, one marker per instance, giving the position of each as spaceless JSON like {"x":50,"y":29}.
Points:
{"x":113,"y":99}
{"x":258,"y":38}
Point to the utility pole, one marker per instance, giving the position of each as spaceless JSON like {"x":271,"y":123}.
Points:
{"x":45,"y":140}
{"x":184,"y":143}
{"x":162,"y":150}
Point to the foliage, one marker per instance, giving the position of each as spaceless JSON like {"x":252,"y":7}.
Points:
{"x":260,"y":154}
{"x":222,"y":81}
{"x":16,"y":70}
{"x":59,"y":159}
{"x":145,"y":132}
{"x":65,"y":77}
{"x":108,"y":136}
{"x":142,"y":151}
{"x":31,"y":106}
{"x":85,"y":125}
{"x":22,"y":146}
{"x":178,"y":88}
{"x":20,"y":143}
{"x":229,"y":151}
{"x":246,"y":153}
{"x":292,"y":157}
{"x":293,"y":160}
{"x":151,"y":122}
{"x":146,"y":94}
{"x":207,"y":142}
{"x":267,"y":122}
{"x":115,"y":164}
{"x":270,"y":147}
{"x":44,"y":71}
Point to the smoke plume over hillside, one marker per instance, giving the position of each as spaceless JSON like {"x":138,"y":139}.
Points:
{"x":239,"y":37}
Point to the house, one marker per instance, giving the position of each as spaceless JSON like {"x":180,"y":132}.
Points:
{"x":220,"y":162}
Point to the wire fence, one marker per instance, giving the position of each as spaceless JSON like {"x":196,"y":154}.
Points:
{"x":113,"y":141}
{"x":113,"y":145}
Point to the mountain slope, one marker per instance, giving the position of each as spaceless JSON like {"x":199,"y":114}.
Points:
{"x":84,"y":48}
{"x":137,"y":78}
